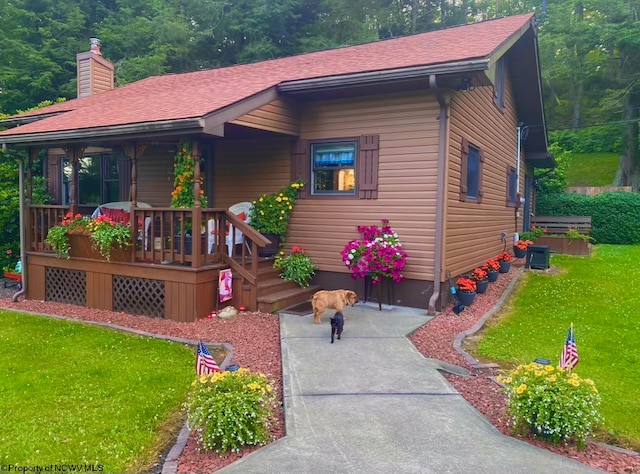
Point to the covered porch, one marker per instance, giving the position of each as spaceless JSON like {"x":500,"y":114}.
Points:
{"x":160,"y":275}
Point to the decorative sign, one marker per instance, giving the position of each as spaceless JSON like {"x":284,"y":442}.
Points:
{"x":224,"y":285}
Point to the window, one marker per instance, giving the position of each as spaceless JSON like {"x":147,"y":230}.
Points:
{"x":98,"y":179}
{"x":512,"y":183}
{"x":344,"y":167}
{"x":333,"y":168}
{"x":471,"y":175}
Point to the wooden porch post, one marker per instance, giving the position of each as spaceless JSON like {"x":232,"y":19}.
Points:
{"x":28,"y":221}
{"x":196,"y":241}
{"x":75,"y":152}
{"x":134,"y":151}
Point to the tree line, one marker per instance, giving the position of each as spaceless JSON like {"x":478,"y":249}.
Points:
{"x":589,"y":49}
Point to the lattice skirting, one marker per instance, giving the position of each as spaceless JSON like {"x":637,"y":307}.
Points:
{"x":66,"y":286}
{"x":138,"y":296}
{"x":130,"y":295}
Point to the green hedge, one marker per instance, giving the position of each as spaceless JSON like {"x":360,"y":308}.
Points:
{"x":615,"y":216}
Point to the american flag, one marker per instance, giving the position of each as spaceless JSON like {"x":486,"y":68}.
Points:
{"x":204,"y":362}
{"x":569,"y":358}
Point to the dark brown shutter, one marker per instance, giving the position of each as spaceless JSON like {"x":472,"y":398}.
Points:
{"x":480,"y":167}
{"x":368,"y":162}
{"x":301,"y":166}
{"x":124,"y":170}
{"x":463,"y":169}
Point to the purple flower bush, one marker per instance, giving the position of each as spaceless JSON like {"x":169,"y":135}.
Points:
{"x":378,"y":254}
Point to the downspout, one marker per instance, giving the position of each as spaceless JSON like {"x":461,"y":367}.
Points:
{"x":23,"y":239}
{"x":440,"y":195}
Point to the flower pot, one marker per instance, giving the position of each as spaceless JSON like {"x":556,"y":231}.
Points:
{"x":271,"y":249}
{"x":493,"y":275}
{"x":466,"y":297}
{"x":481,"y":286}
{"x":505,"y":266}
{"x":188,"y":243}
{"x":81,"y":246}
{"x":519,"y":253}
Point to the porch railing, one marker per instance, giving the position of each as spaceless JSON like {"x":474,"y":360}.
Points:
{"x":190,"y":237}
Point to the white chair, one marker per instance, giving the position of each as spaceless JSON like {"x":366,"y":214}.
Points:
{"x":235,"y":237}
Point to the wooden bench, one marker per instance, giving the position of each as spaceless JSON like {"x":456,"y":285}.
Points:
{"x":562,"y":224}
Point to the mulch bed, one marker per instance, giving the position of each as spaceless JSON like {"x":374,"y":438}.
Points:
{"x":255,"y":338}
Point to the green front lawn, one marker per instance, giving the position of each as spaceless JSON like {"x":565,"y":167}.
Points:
{"x":71,"y":393}
{"x":600,"y":295}
{"x":592,"y":169}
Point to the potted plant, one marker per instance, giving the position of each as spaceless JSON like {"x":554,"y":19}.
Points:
{"x":504,"y":260}
{"x":492,"y":268}
{"x":466,"y":290}
{"x":551,"y":402}
{"x":481,"y":277}
{"x":13,"y":269}
{"x":271,"y":212}
{"x":520,"y":248}
{"x":297,"y":266}
{"x":377,"y":255}
{"x":105,"y":236}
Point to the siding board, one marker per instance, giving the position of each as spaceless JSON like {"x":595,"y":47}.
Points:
{"x":473,"y":230}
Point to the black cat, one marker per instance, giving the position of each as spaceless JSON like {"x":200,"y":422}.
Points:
{"x":337,"y":325}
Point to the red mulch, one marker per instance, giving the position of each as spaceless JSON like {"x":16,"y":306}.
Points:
{"x":256,"y":340}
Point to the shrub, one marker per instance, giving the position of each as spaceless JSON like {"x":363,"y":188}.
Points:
{"x":551,"y":402}
{"x":230,"y":410}
{"x":613,"y":215}
{"x":297,"y":266}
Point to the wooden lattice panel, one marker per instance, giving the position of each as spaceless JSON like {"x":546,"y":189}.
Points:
{"x":138,"y":296}
{"x":66,"y":286}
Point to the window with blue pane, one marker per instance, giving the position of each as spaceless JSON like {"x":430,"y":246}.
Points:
{"x":333,"y":167}
{"x":473,"y":173}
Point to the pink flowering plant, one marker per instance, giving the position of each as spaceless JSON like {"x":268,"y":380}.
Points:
{"x":378,"y":254}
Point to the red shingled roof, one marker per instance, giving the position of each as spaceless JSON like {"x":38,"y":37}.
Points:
{"x":195,"y":94}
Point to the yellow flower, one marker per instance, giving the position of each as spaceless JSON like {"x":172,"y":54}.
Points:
{"x":574,"y":382}
{"x":521,"y":388}
{"x":549,"y":368}
{"x":553,"y":378}
{"x":279,"y":199}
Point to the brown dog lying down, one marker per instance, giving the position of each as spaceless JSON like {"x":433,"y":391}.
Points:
{"x":334,"y":299}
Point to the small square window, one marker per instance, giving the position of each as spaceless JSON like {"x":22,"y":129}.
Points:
{"x":512,"y":184}
{"x":471,"y":173}
{"x":333,"y":168}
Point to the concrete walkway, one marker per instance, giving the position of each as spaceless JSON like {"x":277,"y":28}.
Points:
{"x":371,"y":403}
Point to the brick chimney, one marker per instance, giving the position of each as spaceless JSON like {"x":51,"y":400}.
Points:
{"x":95,"y":74}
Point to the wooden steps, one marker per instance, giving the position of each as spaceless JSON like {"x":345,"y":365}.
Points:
{"x":275,"y":294}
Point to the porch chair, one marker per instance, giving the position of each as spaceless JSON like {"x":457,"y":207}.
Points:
{"x":241,"y":210}
{"x":120,"y":212}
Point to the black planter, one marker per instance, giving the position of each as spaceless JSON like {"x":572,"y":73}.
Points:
{"x":271,"y":249}
{"x":519,"y":253}
{"x":505,"y":266}
{"x":493,"y":275}
{"x":466,"y":298}
{"x":187,"y":243}
{"x":481,"y":286}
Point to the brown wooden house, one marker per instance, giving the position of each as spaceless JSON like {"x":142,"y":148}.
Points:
{"x":430,"y":126}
